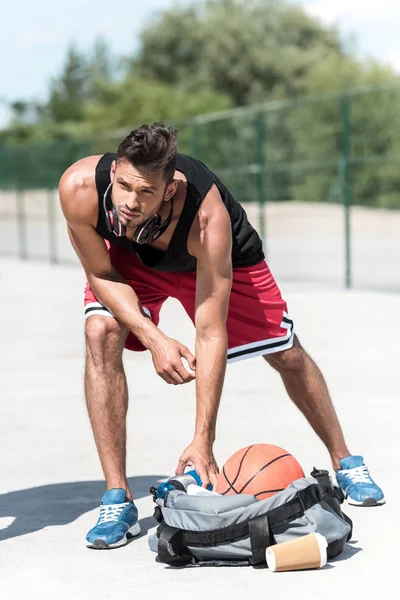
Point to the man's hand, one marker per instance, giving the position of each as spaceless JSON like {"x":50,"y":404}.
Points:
{"x":199,"y":454}
{"x":167,"y":356}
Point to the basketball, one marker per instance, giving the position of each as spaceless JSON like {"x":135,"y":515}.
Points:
{"x":260,"y":470}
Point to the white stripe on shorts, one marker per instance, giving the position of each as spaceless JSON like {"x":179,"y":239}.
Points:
{"x":96,"y":308}
{"x":265,"y":346}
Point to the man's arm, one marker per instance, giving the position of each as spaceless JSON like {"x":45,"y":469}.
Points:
{"x":92,"y":252}
{"x":111,"y":288}
{"x":213,"y":247}
{"x":107,"y":284}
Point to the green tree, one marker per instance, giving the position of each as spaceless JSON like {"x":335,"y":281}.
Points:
{"x":69,"y":90}
{"x":249,"y":50}
{"x":136,"y":100}
{"x":101,"y":64}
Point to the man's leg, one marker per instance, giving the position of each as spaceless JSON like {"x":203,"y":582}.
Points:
{"x":306,"y":386}
{"x":258,"y":324}
{"x":107,"y":396}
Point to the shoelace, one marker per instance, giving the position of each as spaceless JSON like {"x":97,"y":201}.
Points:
{"x":111,"y":512}
{"x":358,"y":474}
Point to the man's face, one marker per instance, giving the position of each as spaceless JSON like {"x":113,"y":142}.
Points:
{"x":138,"y":196}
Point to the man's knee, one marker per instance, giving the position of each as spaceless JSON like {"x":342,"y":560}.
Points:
{"x":288,"y":360}
{"x":103,"y":332}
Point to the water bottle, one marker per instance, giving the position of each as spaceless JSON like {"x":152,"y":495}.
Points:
{"x":179,"y":482}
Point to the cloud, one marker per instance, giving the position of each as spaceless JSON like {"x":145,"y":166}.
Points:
{"x":355,"y":12}
{"x":394,"y":60}
{"x":375,"y":25}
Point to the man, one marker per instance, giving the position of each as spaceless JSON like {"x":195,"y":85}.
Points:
{"x":148,"y":224}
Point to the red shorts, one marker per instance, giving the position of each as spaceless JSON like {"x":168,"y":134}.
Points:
{"x":257,"y":322}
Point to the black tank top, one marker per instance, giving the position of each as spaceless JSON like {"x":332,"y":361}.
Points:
{"x":246,"y":243}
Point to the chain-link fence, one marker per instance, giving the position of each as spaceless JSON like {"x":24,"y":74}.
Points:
{"x":319,"y":178}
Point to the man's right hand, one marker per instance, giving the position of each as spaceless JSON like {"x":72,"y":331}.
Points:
{"x":167,"y":356}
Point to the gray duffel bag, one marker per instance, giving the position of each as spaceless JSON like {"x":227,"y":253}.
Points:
{"x":237,"y":529}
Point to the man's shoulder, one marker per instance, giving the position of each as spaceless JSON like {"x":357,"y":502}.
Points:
{"x":81,"y":175}
{"x":77,"y":190}
{"x":196,"y":172}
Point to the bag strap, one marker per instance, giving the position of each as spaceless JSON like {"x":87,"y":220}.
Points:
{"x":261,"y":537}
{"x":172,"y":538}
{"x":217,"y":537}
{"x":324,"y":480}
{"x":295,"y":508}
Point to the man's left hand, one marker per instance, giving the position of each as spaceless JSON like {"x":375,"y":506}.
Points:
{"x":200,"y":454}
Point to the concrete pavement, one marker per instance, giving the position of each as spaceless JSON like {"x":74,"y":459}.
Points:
{"x":51,"y":480}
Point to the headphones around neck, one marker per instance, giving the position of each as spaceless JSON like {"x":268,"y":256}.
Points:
{"x":146,"y":233}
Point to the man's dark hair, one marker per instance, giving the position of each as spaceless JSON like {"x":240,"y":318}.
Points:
{"x":150,"y":148}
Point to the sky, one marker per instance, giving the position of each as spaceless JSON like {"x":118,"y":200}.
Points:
{"x":375,"y":24}
{"x":34,"y":37}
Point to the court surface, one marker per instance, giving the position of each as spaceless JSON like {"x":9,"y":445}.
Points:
{"x":51,"y":481}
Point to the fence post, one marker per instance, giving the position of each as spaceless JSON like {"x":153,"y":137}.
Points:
{"x":261,"y":159}
{"x":345,"y":110}
{"x":52,"y":226}
{"x":21,"y":225}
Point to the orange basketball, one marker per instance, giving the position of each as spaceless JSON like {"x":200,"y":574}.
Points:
{"x":260,"y":470}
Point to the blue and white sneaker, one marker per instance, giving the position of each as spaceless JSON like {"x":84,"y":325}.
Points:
{"x":358,"y":486}
{"x":118,"y":521}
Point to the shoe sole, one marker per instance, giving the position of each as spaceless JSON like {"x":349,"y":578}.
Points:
{"x":367,"y":502}
{"x":100,"y":544}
